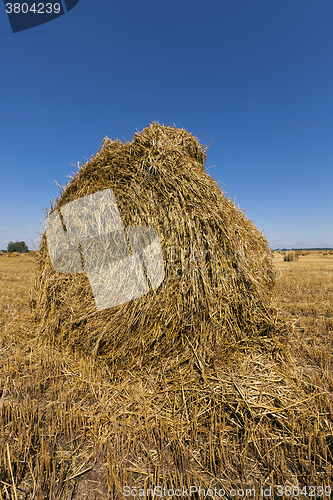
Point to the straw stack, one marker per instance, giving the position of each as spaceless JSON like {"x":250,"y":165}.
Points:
{"x":14,"y":254}
{"x":291,"y":256}
{"x":218,"y":271}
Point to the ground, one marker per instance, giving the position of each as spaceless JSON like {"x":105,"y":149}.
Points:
{"x":68,"y":431}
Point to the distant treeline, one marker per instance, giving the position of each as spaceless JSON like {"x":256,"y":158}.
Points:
{"x":17,"y":246}
{"x":21,"y":247}
{"x":298,"y":249}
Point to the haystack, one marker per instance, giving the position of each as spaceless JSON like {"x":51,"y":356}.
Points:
{"x":218,"y":275}
{"x":291,"y":256}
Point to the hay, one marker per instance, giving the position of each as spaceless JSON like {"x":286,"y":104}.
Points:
{"x":218,"y":281}
{"x":291,"y":256}
{"x":13,"y":254}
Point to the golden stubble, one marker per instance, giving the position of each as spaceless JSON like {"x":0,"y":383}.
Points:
{"x":70,"y":429}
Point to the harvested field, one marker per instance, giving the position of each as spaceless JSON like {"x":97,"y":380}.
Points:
{"x":73,"y":433}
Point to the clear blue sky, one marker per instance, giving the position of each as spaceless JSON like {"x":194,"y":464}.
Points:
{"x":255,"y":77}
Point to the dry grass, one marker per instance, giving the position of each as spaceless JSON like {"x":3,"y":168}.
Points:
{"x":69,"y":430}
{"x":305,"y":292}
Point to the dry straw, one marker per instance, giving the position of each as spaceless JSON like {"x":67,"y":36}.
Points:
{"x":218,"y":271}
{"x":13,"y":254}
{"x":291,"y":256}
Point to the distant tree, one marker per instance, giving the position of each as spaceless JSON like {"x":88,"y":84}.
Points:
{"x":18,"y":246}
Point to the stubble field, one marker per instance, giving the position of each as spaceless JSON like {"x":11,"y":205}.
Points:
{"x":67,"y":431}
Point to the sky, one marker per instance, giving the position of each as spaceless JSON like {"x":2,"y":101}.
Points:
{"x":252,"y":77}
